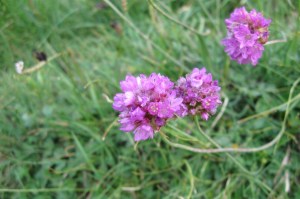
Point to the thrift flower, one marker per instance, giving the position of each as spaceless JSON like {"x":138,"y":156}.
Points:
{"x":146,"y":103}
{"x":246,"y":34}
{"x":200,"y":93}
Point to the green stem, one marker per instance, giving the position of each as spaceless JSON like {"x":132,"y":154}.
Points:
{"x":219,"y":147}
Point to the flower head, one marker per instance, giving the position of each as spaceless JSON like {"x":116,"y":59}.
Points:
{"x":246,"y":34}
{"x":146,"y":103}
{"x":200,"y":93}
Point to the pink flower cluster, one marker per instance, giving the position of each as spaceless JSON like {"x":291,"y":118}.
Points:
{"x":201,"y":95}
{"x":146,"y":103}
{"x":246,"y":34}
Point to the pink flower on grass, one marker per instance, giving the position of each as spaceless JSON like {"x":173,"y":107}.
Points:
{"x":246,"y":34}
{"x":200,"y":93}
{"x":146,"y":103}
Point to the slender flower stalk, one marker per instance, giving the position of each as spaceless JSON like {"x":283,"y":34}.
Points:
{"x":220,"y":149}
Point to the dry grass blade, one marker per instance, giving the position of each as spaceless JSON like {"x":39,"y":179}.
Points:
{"x":40,"y":65}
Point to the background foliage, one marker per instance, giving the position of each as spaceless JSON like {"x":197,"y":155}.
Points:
{"x":58,"y":133}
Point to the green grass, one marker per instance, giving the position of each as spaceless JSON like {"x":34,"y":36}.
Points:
{"x":58,"y":133}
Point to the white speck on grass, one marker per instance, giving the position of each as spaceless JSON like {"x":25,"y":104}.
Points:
{"x":287,"y":182}
{"x":19,"y":67}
